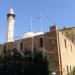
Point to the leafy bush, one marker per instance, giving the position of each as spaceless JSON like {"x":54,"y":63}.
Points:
{"x":18,"y":65}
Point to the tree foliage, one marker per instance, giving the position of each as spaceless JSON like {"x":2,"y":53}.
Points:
{"x":13,"y":63}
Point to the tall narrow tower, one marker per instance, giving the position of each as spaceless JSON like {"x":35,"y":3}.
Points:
{"x":11,"y":21}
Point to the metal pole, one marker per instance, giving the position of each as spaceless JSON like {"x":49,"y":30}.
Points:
{"x":32,"y":41}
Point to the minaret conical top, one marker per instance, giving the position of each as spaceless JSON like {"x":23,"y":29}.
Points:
{"x":11,"y":11}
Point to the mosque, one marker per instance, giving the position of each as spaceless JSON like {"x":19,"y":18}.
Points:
{"x":58,"y":43}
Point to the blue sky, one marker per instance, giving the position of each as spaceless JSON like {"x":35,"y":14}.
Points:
{"x":60,"y":12}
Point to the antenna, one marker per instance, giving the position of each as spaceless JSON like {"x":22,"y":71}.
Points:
{"x":41,"y":20}
{"x":32,"y":40}
{"x":11,"y":3}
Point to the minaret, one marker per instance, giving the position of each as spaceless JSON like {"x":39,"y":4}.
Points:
{"x":11,"y":21}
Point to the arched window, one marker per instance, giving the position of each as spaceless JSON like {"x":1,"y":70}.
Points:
{"x":4,"y":47}
{"x":5,"y":51}
{"x":41,"y":42}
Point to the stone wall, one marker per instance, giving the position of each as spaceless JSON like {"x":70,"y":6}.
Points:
{"x":53,"y":45}
{"x":69,"y":33}
{"x":67,"y":51}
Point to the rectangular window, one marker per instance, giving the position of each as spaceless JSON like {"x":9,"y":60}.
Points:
{"x":65,"y":43}
{"x":71,"y":47}
{"x":67,"y":69}
{"x":70,"y":68}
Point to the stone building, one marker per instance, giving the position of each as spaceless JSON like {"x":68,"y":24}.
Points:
{"x":60,"y":49}
{"x":59,"y":44}
{"x":69,"y":33}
